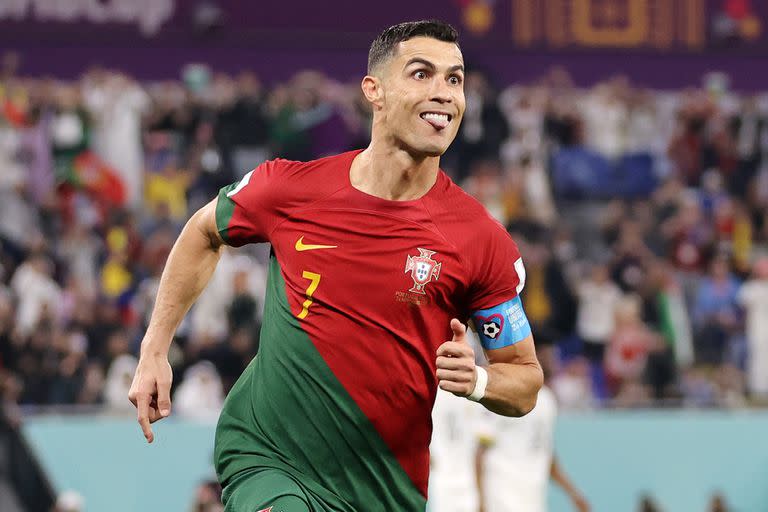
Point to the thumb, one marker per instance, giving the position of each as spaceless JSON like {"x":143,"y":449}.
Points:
{"x":459,"y":331}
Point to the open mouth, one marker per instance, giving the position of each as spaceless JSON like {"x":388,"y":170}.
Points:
{"x":438,"y":120}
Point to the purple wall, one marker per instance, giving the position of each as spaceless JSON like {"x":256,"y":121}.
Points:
{"x":334,"y":36}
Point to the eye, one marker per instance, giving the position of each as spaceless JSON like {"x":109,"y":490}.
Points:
{"x":420,"y":75}
{"x":454,"y":80}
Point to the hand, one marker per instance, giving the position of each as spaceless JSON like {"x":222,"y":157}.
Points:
{"x":456,"y":362}
{"x":581,"y":504}
{"x":151,"y":391}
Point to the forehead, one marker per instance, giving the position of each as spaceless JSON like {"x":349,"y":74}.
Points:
{"x":439,"y":53}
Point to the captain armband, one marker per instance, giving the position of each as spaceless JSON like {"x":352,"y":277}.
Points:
{"x":502,"y":325}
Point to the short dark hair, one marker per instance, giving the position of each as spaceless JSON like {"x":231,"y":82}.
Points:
{"x":383,"y":47}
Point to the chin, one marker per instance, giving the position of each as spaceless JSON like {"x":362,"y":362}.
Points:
{"x":422,"y":147}
{"x":435,"y":152}
{"x":430,"y":150}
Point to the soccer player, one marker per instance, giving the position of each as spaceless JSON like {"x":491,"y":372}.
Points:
{"x":516,"y":459}
{"x":456,"y":430}
{"x":377,"y":258}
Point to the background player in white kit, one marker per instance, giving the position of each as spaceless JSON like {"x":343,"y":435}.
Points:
{"x":516,"y":459}
{"x":487,"y":463}
{"x":456,"y":428}
{"x":480,"y":462}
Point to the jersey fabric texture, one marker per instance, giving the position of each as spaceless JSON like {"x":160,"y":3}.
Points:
{"x":269,"y":490}
{"x":360,"y":294}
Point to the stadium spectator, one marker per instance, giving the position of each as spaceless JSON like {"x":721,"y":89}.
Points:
{"x":484,"y":128}
{"x":118,"y":382}
{"x":718,"y":504}
{"x":698,"y":388}
{"x":69,"y":501}
{"x":37,"y":292}
{"x":200,"y":394}
{"x":116,"y":103}
{"x":572,"y":385}
{"x":208,"y":497}
{"x":606,"y":118}
{"x":715,"y":313}
{"x":598,"y":301}
{"x":648,"y":504}
{"x":753,"y":296}
{"x":548,"y":299}
{"x":628,"y":348}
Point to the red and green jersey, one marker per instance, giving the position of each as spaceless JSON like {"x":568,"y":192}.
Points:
{"x":360,"y":295}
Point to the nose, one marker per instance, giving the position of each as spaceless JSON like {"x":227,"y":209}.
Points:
{"x":440,"y":93}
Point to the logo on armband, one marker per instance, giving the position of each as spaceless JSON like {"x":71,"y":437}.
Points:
{"x":492,"y":325}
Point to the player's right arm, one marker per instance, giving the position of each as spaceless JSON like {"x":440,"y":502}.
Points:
{"x":244,"y":212}
{"x":190,"y":266}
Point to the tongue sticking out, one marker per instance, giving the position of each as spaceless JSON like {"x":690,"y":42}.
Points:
{"x":438,"y":121}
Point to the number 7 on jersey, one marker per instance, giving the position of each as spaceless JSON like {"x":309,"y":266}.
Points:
{"x":314,"y":281}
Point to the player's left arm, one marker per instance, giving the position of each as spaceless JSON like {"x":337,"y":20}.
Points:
{"x":510,"y":384}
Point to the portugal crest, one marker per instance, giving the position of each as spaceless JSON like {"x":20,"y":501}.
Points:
{"x":423,"y":269}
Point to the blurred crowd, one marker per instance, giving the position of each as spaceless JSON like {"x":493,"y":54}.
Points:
{"x":651,"y":293}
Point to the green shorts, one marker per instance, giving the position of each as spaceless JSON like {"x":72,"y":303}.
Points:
{"x":269,"y":490}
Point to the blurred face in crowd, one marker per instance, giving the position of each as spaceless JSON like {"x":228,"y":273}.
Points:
{"x":719,"y":268}
{"x":418,"y":96}
{"x":600,"y":274}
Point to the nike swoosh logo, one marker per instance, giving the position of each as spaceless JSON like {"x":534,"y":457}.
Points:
{"x":301,"y":246}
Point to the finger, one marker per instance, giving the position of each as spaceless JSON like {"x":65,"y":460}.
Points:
{"x":154,"y":411}
{"x":154,"y":415}
{"x":455,"y":376}
{"x":454,"y":349}
{"x":456,"y":388}
{"x":164,"y":398}
{"x":456,"y":363}
{"x":143,"y":416}
{"x":459,"y":331}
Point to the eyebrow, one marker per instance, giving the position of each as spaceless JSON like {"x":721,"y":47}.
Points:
{"x":426,"y":63}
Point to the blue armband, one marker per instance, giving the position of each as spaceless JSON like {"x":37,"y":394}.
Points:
{"x":502,"y":325}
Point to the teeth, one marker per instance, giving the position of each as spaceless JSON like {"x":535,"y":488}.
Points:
{"x":435,"y":117}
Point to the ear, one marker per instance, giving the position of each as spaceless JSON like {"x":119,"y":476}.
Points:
{"x":373,"y":92}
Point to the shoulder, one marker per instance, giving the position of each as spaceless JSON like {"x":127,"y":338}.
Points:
{"x":492,"y":263}
{"x":462,"y":218}
{"x":319,"y":169}
{"x":290,"y":183}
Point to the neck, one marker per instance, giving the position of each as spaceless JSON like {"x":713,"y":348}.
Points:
{"x":389,"y":172}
